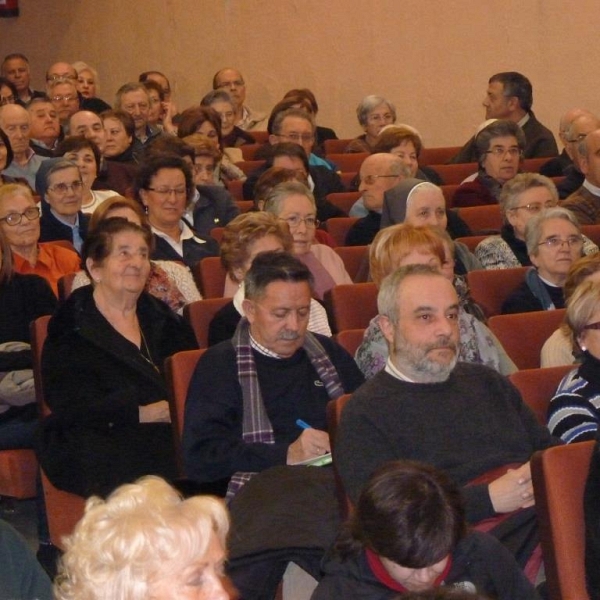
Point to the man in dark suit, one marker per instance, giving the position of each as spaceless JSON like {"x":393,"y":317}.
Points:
{"x":510,"y":96}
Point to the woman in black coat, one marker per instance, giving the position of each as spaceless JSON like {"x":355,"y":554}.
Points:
{"x":102,"y":369}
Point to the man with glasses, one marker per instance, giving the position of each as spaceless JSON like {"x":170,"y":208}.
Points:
{"x":16,"y":123}
{"x":510,"y":96}
{"x":378,"y":173}
{"x":15,"y":67}
{"x":65,"y":98}
{"x":231,"y":81}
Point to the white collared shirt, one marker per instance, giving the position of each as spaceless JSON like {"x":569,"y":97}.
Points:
{"x":186,"y":234}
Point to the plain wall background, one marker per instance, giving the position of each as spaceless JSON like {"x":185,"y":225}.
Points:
{"x":432,"y":58}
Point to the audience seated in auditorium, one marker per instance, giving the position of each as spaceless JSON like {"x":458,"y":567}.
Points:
{"x":499,"y":148}
{"x":321,"y":133}
{"x":422,"y":203}
{"x":401,"y":245}
{"x":23,"y":298}
{"x":574,"y":413}
{"x":409,"y":534}
{"x":15,"y":121}
{"x":285,"y":362}
{"x":558,"y":350}
{"x":373,"y":114}
{"x":554,"y":243}
{"x":45,"y":131}
{"x":86,"y":155}
{"x":64,"y":97}
{"x":232,"y":136}
{"x":206,"y":120}
{"x":168,"y":280}
{"x":58,"y":183}
{"x":145,"y":541}
{"x":320,"y":180}
{"x":133,"y":98}
{"x":15,"y":67}
{"x":557,"y":166}
{"x":164,"y":185}
{"x":232,"y":81}
{"x":585,"y":202}
{"x":465,"y":419}
{"x":20,"y":222}
{"x":405,"y":142}
{"x":510,"y":96}
{"x":243,"y":239}
{"x":378,"y":173}
{"x":102,"y":370}
{"x":294,"y":203}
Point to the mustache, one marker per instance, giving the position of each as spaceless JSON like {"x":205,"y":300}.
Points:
{"x":288,"y":336}
{"x":443,"y":342}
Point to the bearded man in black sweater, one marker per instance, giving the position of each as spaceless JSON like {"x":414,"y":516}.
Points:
{"x":462,"y":418}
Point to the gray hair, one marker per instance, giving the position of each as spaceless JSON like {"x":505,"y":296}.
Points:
{"x":217,"y":95}
{"x":511,"y":190}
{"x":499,"y":128}
{"x":533,"y":229}
{"x":387,"y":298}
{"x":291,"y":112}
{"x":282,"y":191}
{"x":369,"y":103}
{"x":133,"y":86}
{"x":80,"y":66}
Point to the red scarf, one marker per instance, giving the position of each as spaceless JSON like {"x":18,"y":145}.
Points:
{"x":378,"y":569}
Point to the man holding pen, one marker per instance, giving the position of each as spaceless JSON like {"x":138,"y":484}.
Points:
{"x":259,"y":400}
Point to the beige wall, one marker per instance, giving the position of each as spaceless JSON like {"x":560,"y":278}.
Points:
{"x":431,"y":57}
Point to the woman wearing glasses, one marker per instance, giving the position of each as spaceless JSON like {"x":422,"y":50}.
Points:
{"x":20,"y":223}
{"x":554,"y":243}
{"x":164,"y":185}
{"x":294,"y":203}
{"x":500,"y":150}
{"x":574,"y":413}
{"x":373,"y":114}
{"x":58,"y":182}
{"x":522,"y":198}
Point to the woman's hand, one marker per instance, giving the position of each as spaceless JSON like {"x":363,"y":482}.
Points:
{"x":157,"y":412}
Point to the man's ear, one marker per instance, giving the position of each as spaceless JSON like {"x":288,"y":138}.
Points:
{"x":513,"y":103}
{"x":387,"y":328}
{"x":249,"y":309}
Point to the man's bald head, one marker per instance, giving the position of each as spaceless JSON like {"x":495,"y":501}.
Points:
{"x":88,"y":124}
{"x":379,"y":173}
{"x":16,"y":123}
{"x":61,"y":70}
{"x":567,"y":119}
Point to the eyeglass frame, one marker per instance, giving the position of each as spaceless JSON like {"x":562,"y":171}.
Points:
{"x":556,"y":242}
{"x":500,"y":152}
{"x":21,"y":215}
{"x":74,"y":185}
{"x":306,"y":220}
{"x":544,"y":206}
{"x":168,"y":192}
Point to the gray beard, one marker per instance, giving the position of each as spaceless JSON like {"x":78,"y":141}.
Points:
{"x":415,"y":364}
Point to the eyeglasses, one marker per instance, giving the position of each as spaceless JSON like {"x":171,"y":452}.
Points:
{"x":371,"y":179}
{"x":230,"y":84}
{"x":12,"y":219}
{"x":63,"y":188}
{"x":595,"y":325}
{"x":556,"y":242}
{"x":534,"y":209}
{"x":66,"y":98}
{"x":7,"y":100}
{"x":166,"y":192}
{"x":387,"y":118}
{"x":502,"y":152}
{"x":298,"y":137}
{"x":295,"y":221}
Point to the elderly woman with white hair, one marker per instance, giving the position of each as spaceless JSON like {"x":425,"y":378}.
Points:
{"x":373,"y":113}
{"x":554,"y":243}
{"x":294,"y":203}
{"x":145,"y":542}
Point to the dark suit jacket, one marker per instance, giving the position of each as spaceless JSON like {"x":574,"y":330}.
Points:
{"x":215,"y":208}
{"x":539,"y":142}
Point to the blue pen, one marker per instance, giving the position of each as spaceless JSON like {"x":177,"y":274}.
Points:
{"x":303,"y":424}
